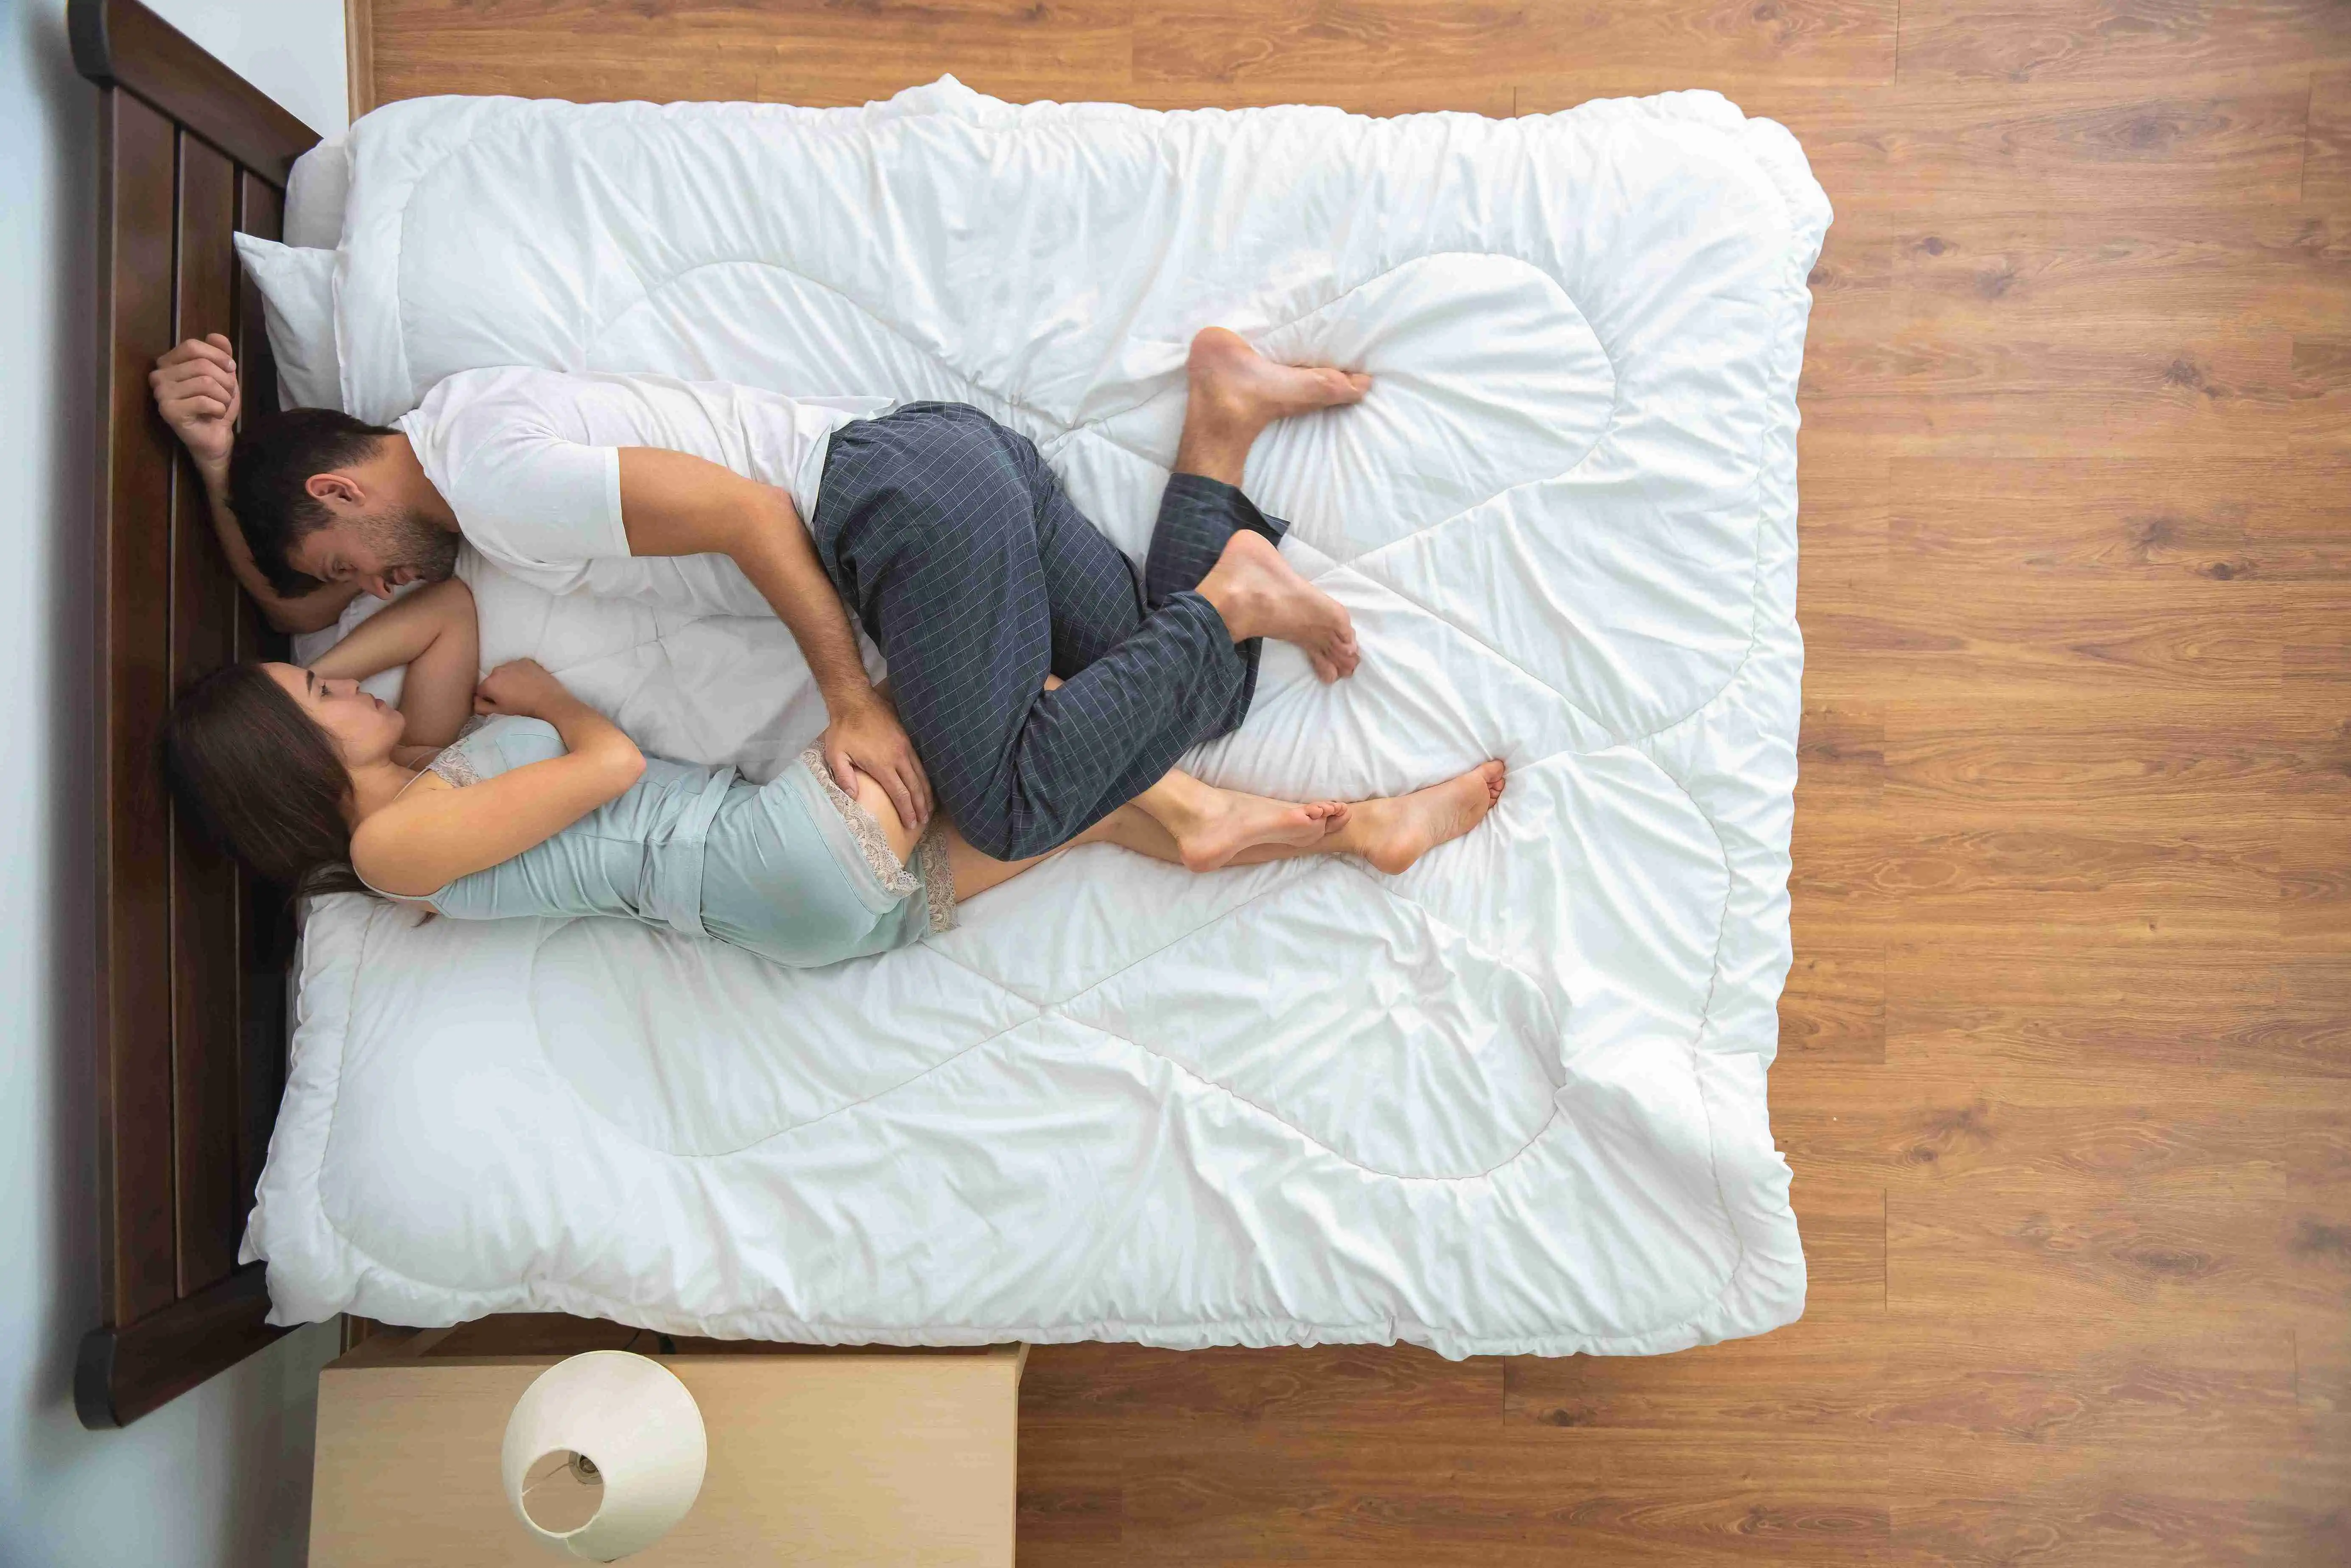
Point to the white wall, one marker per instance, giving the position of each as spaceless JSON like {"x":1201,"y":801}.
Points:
{"x":290,"y":50}
{"x":220,"y":1477}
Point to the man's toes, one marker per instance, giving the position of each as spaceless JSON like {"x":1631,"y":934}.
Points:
{"x":1343,"y":385}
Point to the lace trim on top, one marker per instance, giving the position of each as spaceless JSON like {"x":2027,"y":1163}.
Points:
{"x":455,"y":767}
{"x":937,"y":879}
{"x":451,"y":763}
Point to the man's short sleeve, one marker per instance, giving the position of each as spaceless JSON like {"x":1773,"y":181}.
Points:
{"x":525,"y":492}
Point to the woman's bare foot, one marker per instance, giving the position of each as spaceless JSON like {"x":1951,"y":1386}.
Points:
{"x":1393,"y":833}
{"x":1228,"y":379}
{"x":1261,"y":595}
{"x":1223,"y":822}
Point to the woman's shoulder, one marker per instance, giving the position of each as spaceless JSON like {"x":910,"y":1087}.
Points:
{"x":485,"y":749}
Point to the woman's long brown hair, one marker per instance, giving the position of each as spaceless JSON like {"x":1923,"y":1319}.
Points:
{"x":263,"y":778}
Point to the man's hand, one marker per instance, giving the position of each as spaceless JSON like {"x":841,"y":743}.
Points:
{"x":197,"y":391}
{"x":866,"y":737}
{"x":672,"y":503}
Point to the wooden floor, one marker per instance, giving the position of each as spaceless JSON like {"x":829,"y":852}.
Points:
{"x":2065,"y":1060}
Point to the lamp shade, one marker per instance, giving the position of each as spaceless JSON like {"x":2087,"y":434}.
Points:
{"x":623,"y":1436}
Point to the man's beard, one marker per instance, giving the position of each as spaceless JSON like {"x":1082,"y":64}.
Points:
{"x":404,"y":539}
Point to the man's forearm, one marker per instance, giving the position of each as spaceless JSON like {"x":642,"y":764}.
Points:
{"x":674,"y":504}
{"x":774,"y":552}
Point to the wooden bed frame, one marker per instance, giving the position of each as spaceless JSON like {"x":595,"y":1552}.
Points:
{"x":191,"y":957}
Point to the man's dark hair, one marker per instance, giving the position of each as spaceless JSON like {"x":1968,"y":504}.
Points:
{"x":269,"y":469}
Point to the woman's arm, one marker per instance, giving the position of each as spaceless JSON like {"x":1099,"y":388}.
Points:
{"x":429,"y":838}
{"x":434,"y":632}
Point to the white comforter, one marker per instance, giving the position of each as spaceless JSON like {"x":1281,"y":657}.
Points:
{"x":1512,"y":1100}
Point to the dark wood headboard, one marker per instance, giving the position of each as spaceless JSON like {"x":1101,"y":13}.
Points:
{"x":190,"y":1036}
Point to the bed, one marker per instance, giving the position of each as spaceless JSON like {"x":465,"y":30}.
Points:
{"x":1512,"y":1101}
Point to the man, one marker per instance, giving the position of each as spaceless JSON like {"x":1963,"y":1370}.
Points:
{"x":954,"y":544}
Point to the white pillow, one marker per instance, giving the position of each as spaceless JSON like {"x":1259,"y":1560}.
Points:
{"x":297,"y":287}
{"x":317,"y":189}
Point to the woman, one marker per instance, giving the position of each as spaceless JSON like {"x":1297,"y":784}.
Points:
{"x":547,"y":808}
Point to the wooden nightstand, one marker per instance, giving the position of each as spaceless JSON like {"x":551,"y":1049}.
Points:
{"x":816,"y":1457}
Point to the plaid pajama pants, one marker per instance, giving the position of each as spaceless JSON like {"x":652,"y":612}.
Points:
{"x":978,"y":576}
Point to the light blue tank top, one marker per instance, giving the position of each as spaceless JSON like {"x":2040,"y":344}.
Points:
{"x":638,"y":857}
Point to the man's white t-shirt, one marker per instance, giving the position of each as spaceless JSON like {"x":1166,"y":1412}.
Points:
{"x":529,"y":461}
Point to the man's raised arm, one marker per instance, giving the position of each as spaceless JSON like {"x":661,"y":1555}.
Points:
{"x":675,"y":504}
{"x":196,"y":390}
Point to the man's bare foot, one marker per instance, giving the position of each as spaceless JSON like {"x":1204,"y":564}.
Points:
{"x":1393,"y":833}
{"x":1261,"y":595}
{"x":1230,"y":380}
{"x":1225,"y":823}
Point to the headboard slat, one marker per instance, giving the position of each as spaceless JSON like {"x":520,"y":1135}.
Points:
{"x":265,"y":932}
{"x":203,"y":880}
{"x":260,"y":209}
{"x":134,"y":651}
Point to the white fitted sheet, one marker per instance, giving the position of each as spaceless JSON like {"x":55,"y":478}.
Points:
{"x":1512,"y":1100}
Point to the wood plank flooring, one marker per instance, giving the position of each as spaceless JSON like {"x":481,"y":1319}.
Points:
{"x":2065,"y":1069}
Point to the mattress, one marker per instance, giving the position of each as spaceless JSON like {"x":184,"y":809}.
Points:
{"x":1514,"y":1101}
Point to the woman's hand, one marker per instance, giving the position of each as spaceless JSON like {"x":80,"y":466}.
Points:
{"x":522,"y":688}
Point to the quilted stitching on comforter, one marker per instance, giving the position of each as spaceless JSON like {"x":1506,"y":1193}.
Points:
{"x":1512,"y":1100}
